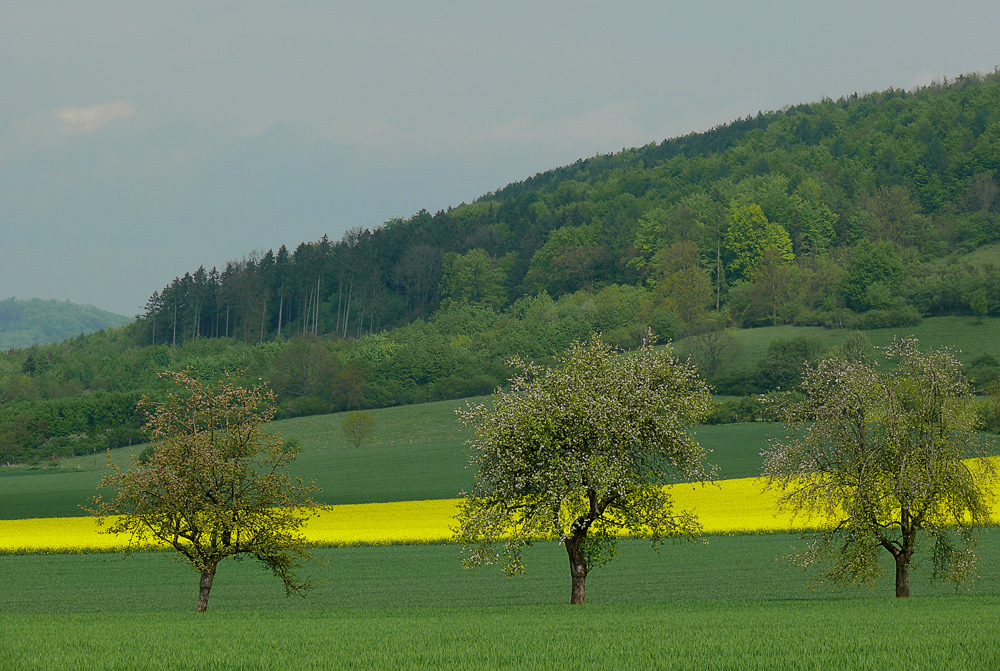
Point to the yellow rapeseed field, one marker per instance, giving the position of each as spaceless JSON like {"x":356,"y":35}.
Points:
{"x":726,"y":507}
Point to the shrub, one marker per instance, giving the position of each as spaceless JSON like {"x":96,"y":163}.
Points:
{"x":892,"y":317}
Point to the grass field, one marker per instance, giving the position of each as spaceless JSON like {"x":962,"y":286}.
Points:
{"x":419,"y":452}
{"x":956,"y":633}
{"x":724,"y":568}
{"x":728,"y":604}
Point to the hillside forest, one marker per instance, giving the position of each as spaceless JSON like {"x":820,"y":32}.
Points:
{"x":870,"y":211}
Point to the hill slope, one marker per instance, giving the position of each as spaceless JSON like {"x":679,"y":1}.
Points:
{"x":35,"y":322}
{"x":835,"y":187}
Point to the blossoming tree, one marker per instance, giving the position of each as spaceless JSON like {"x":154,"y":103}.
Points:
{"x":880,"y":456}
{"x":216,"y":485}
{"x":580,"y":452}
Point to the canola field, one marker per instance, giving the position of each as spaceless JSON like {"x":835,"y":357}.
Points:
{"x":738,"y":506}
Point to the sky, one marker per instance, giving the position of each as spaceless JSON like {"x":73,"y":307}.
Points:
{"x":141,"y":140}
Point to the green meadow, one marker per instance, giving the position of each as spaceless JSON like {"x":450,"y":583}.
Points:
{"x":729,"y":603}
{"x":952,"y":633}
{"x":929,"y":634}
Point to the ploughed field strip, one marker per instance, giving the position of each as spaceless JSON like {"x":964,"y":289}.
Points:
{"x":736,"y":506}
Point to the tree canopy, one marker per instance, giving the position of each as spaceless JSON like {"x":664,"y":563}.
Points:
{"x":580,"y":452}
{"x":216,"y":485}
{"x":880,"y":457}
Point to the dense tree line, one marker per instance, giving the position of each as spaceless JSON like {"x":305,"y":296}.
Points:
{"x":815,"y":214}
{"x":81,"y":396}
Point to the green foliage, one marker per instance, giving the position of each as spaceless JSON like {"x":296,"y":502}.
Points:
{"x":983,"y":370}
{"x":980,"y":303}
{"x":475,"y":278}
{"x":567,"y":260}
{"x":781,"y":368}
{"x":749,"y":236}
{"x":873,"y":276}
{"x":881,"y":456}
{"x":856,"y":347}
{"x":580,"y":452}
{"x":215,"y":485}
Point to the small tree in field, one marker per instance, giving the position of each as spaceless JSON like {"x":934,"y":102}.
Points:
{"x":580,"y":453}
{"x":215,"y":486}
{"x":359,"y":428}
{"x":880,"y":455}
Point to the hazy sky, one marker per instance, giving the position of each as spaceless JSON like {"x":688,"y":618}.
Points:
{"x":139,"y":140}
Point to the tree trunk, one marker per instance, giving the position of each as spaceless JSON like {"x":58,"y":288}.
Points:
{"x":904,"y":554}
{"x":577,"y":567}
{"x":281,"y":306}
{"x":205,"y":587}
{"x":902,"y":575}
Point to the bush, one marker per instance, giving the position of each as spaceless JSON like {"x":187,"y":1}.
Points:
{"x":303,"y":406}
{"x":627,"y":337}
{"x":983,"y":370}
{"x":734,"y":383}
{"x":146,"y":454}
{"x":892,"y":317}
{"x":751,"y":408}
{"x":826,"y":318}
{"x":359,"y":428}
{"x":462,"y":387}
{"x":781,"y":367}
{"x":665,"y":323}
{"x":72,"y":445}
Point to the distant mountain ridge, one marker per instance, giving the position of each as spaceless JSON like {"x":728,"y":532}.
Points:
{"x":36,"y":321}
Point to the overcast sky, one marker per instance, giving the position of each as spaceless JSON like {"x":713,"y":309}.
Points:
{"x":140,"y":140}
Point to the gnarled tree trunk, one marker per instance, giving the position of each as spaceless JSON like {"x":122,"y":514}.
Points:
{"x":904,"y":553}
{"x":205,"y":587}
{"x":577,"y":566}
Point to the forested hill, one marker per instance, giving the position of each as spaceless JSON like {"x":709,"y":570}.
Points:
{"x":873,"y":210}
{"x":35,"y":321}
{"x":860,"y":198}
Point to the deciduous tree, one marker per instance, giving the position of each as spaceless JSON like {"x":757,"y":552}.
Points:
{"x":580,"y":453}
{"x":750,"y":234}
{"x":475,"y":278}
{"x":359,"y":428}
{"x":879,"y":456}
{"x":216,"y":485}
{"x":709,"y":350}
